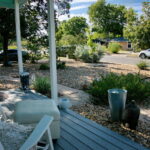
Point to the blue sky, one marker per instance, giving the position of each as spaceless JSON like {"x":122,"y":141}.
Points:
{"x":80,"y":7}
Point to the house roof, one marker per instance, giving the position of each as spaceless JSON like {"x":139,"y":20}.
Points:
{"x":10,"y":3}
{"x":119,"y":39}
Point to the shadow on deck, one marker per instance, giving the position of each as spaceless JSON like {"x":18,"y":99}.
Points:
{"x":79,"y":133}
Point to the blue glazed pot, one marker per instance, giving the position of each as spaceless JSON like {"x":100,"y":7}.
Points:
{"x":65,"y":103}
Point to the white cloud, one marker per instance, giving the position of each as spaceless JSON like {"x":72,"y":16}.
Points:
{"x":65,"y":17}
{"x":79,"y":7}
{"x":82,"y":1}
{"x":136,"y":8}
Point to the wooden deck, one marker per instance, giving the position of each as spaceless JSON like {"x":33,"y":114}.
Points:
{"x":79,"y":133}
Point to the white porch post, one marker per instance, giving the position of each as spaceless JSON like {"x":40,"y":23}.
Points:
{"x":52,"y":51}
{"x":18,"y":34}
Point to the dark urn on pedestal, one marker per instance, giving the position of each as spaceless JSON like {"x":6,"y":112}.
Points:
{"x":131,"y":115}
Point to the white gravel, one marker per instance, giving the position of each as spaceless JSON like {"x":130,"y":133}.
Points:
{"x":12,"y":135}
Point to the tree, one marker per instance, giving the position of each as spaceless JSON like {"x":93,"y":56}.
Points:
{"x":75,"y":28}
{"x":7,"y":29}
{"x":131,"y":27}
{"x":146,"y":9}
{"x":137,"y":29}
{"x":70,"y":40}
{"x":33,"y":22}
{"x":107,"y":18}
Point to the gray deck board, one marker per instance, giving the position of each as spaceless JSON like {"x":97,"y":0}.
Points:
{"x":93,"y":138}
{"x":79,"y":133}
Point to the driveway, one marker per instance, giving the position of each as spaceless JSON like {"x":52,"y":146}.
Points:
{"x":122,"y":59}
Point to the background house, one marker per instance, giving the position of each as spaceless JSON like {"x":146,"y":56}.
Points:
{"x":125,"y":43}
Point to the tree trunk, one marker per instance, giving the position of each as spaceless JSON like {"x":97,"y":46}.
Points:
{"x":5,"y":48}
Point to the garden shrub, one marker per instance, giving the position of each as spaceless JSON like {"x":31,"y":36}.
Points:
{"x":143,"y":65}
{"x":61,"y":64}
{"x":89,"y":54}
{"x":114,"y":47}
{"x":41,"y":85}
{"x":138,"y":89}
{"x":104,"y":48}
{"x":63,"y":51}
{"x":34,"y":57}
{"x":44,"y":67}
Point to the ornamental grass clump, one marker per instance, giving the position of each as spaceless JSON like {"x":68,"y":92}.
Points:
{"x":143,"y":65}
{"x":41,"y":85}
{"x":138,"y":89}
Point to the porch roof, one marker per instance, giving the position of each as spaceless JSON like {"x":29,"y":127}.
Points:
{"x":10,"y":3}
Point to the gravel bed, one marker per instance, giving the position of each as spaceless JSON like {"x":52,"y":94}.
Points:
{"x":101,"y":115}
{"x":75,"y":75}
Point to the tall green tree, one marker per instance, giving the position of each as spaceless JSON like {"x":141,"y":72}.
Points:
{"x":7,"y":29}
{"x":131,"y":27}
{"x":74,"y":28}
{"x":137,"y":29}
{"x":107,"y":18}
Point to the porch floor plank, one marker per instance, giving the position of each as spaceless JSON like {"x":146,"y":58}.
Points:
{"x":80,"y":133}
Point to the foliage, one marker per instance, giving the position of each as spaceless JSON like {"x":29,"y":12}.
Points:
{"x":143,"y":65}
{"x":107,"y":18}
{"x":97,"y":35}
{"x":33,"y":18}
{"x":61,"y":65}
{"x":70,"y":40}
{"x":137,"y":29}
{"x":72,"y":32}
{"x":89,"y":38}
{"x":33,"y":58}
{"x":41,"y":85}
{"x":104,"y":48}
{"x":34,"y":45}
{"x":63,"y":51}
{"x":138,"y":89}
{"x":89,"y":54}
{"x":74,"y":26}
{"x":114,"y":47}
{"x":7,"y":29}
{"x":44,"y":67}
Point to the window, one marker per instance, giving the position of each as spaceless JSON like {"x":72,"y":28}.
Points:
{"x":129,"y":45}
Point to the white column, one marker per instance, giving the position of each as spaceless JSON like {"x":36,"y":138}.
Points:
{"x":18,"y":35}
{"x":52,"y":50}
